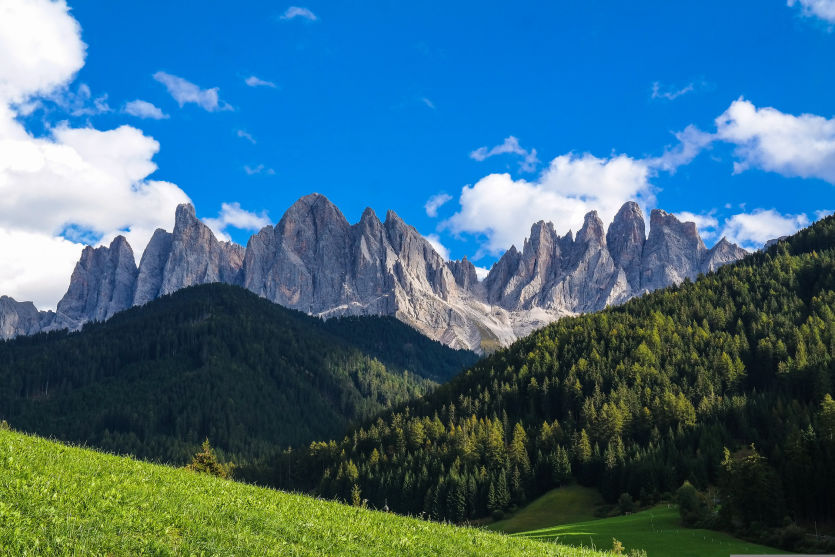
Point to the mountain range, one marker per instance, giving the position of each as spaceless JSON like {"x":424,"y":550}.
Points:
{"x":315,"y":261}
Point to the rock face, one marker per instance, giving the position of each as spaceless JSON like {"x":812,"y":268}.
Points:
{"x":21,"y":318}
{"x":187,"y":256}
{"x":315,"y":261}
{"x":102,"y":284}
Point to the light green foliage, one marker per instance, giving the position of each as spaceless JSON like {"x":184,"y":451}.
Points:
{"x":59,"y":500}
{"x":206,"y":462}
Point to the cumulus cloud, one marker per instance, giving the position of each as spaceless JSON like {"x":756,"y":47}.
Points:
{"x":435,"y":241}
{"x":436,"y":202}
{"x":765,"y":138}
{"x":295,"y":11}
{"x":246,"y":135}
{"x":70,"y":184}
{"x":752,"y":230}
{"x":511,"y":146}
{"x":144,"y":109}
{"x":254,"y":81}
{"x":185,"y":92}
{"x":501,"y":209}
{"x":231,"y":214}
{"x":771,"y":140}
{"x":823,"y":213}
{"x":481,"y":272}
{"x":824,"y":9}
{"x":40,"y":47}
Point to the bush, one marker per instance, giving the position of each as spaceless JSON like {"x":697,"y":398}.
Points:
{"x":692,"y":505}
{"x":625,"y":503}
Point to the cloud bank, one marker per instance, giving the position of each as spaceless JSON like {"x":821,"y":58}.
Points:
{"x":71,"y":184}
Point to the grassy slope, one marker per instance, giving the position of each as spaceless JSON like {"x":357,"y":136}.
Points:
{"x":563,"y":505}
{"x":60,"y":500}
{"x":657,"y":530}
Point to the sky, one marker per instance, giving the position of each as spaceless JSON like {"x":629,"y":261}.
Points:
{"x":470,"y":120}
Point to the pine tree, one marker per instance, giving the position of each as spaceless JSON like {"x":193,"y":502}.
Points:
{"x":206,"y":462}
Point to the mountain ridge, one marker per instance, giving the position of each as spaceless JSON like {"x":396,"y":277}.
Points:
{"x":315,"y":261}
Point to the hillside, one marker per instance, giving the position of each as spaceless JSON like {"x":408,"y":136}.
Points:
{"x":635,"y":399}
{"x":216,"y":361}
{"x":60,"y":500}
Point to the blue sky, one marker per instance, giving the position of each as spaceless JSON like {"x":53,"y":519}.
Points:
{"x":386,"y":104}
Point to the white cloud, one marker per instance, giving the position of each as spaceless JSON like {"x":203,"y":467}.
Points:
{"x":185,"y":92}
{"x":253,"y":81}
{"x":259,"y":169}
{"x":232,"y":215}
{"x":824,"y":9}
{"x":671,"y":93}
{"x":502,"y":209}
{"x":436,"y":202}
{"x":40,"y":48}
{"x":144,"y":109}
{"x":481,"y":272}
{"x":510,"y":145}
{"x":428,"y":103}
{"x":435,"y":240}
{"x":707,"y":224}
{"x":296,"y":11}
{"x":790,"y":145}
{"x":691,"y":142}
{"x":246,"y":135}
{"x":70,"y":183}
{"x":752,"y":230}
{"x":823,"y":213}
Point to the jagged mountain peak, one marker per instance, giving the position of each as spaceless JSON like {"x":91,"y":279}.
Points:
{"x":592,"y":230}
{"x":185,"y":214}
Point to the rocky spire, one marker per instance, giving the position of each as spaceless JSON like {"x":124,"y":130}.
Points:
{"x":673,"y":251}
{"x":102,"y":284}
{"x":625,"y":240}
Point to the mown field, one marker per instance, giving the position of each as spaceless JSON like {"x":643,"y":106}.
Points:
{"x":657,"y":530}
{"x":62,"y":500}
{"x":563,"y":505}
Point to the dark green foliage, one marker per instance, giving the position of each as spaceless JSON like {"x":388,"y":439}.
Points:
{"x":214,"y":361}
{"x":692,"y":505}
{"x":635,"y":399}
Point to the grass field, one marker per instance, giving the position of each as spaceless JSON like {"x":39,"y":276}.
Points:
{"x":657,"y":530}
{"x":563,"y":505}
{"x":60,"y":500}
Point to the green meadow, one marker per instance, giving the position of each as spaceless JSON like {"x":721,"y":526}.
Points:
{"x":658,"y":531}
{"x":62,"y":500}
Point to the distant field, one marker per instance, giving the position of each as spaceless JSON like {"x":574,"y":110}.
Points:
{"x":563,"y":505}
{"x":60,"y":500}
{"x":657,"y":530}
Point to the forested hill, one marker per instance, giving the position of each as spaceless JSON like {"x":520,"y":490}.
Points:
{"x":216,"y":361}
{"x":633,"y":399}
